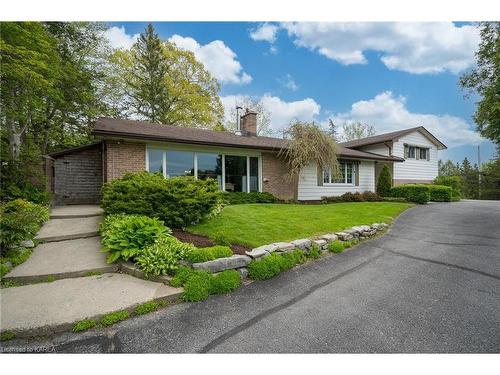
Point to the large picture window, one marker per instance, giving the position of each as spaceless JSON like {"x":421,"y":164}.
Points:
{"x":345,"y":176}
{"x":180,"y":163}
{"x":210,"y":166}
{"x":238,"y":173}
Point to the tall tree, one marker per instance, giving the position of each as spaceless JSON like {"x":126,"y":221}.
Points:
{"x":484,"y":80}
{"x":447,"y":168}
{"x":165,"y":84}
{"x":357,"y":130}
{"x":263,"y":115}
{"x":332,"y":130}
{"x":148,"y":75}
{"x":470,"y":178}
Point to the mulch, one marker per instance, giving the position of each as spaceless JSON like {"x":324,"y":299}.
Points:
{"x":202,"y":241}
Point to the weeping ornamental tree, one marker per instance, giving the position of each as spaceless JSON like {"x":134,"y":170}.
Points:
{"x":307,"y":143}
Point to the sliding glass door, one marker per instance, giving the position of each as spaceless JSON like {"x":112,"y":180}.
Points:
{"x":236,"y":173}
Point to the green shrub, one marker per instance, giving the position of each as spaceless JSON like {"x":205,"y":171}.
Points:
{"x":28,"y":192}
{"x":455,"y":182}
{"x":163,"y":256}
{"x":440,"y":193}
{"x":384,"y":182}
{"x":412,"y":192}
{"x":204,"y":254}
{"x":84,"y":325}
{"x":124,"y":236}
{"x":270,"y":266}
{"x":367,"y":196}
{"x":114,"y":317}
{"x":178,"y":201}
{"x":314,"y":252}
{"x":370,"y":196}
{"x":336,"y":246}
{"x":4,"y":269}
{"x":20,"y":220}
{"x":225,"y":282}
{"x":7,"y":335}
{"x":182,"y":274}
{"x":252,"y":197}
{"x":148,"y":307}
{"x":197,"y":287}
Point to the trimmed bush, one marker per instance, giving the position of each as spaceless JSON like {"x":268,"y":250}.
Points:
{"x":197,"y":287}
{"x":163,"y":256}
{"x":367,"y":196}
{"x":440,"y":193}
{"x":384,"y":182}
{"x":412,"y":192}
{"x":178,"y":201}
{"x":20,"y":220}
{"x":204,"y":254}
{"x":225,"y":282}
{"x":182,"y":274}
{"x":114,"y":317}
{"x":454,"y":182}
{"x":270,"y":266}
{"x":125,"y":236}
{"x":252,"y":197}
{"x":393,"y":199}
{"x":336,"y":246}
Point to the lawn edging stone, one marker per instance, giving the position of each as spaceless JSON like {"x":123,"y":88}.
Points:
{"x":222,"y":264}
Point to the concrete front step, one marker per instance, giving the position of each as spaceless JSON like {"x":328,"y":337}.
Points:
{"x":64,"y":259}
{"x":75,"y":211}
{"x":69,"y":229}
{"x":45,"y":308}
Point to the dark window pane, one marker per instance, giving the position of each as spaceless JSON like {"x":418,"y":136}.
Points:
{"x":155,"y":158}
{"x":236,"y":173}
{"x":180,"y":163}
{"x":349,"y":173}
{"x":254,"y":174}
{"x":210,"y":166}
{"x":340,"y":179}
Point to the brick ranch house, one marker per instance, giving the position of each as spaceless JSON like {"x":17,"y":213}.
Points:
{"x":242,"y":162}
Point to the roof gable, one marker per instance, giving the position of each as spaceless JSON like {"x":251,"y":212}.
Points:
{"x":393,"y":136}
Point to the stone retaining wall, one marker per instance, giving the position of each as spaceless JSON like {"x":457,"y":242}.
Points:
{"x":240,"y":262}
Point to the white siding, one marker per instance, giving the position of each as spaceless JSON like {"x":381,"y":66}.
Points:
{"x":378,"y":148}
{"x":412,"y":169}
{"x":308,"y":188}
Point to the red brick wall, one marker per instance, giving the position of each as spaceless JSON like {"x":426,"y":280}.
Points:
{"x":275,"y":179}
{"x":122,"y":157}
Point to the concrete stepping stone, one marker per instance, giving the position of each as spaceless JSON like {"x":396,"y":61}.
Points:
{"x":75,"y":211}
{"x":50,"y":307}
{"x":63,"y":259}
{"x":69,"y":229}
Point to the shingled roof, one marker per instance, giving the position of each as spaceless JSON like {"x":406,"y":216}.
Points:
{"x":393,"y":136}
{"x":106,"y":127}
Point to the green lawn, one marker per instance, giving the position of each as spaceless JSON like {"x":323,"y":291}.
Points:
{"x":259,"y":224}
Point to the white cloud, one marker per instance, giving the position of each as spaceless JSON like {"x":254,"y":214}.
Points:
{"x":387,"y":113}
{"x":118,"y":38}
{"x":282,"y":112}
{"x":218,"y":58}
{"x":265,"y":32}
{"x":288,"y":82}
{"x":411,"y":47}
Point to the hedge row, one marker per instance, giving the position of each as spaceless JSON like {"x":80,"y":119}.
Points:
{"x":252,"y":197}
{"x":422,"y":193}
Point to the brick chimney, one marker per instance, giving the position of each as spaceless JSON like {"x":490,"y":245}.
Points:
{"x":248,"y":124}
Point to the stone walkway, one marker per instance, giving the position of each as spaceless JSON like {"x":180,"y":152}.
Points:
{"x":70,"y":253}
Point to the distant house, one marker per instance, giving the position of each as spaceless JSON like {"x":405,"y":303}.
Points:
{"x":242,"y":162}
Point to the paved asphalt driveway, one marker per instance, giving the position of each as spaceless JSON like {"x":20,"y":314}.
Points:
{"x":432,"y":284}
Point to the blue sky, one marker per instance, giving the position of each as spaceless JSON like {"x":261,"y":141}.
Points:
{"x":391,"y":75}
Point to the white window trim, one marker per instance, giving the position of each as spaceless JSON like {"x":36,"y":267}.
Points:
{"x":428,"y":148}
{"x":195,"y":163}
{"x":340,"y":184}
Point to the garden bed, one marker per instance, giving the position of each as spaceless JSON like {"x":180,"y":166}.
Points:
{"x":203,"y":241}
